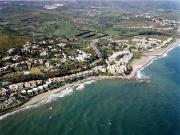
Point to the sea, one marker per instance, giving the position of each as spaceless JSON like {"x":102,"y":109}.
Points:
{"x":108,"y":107}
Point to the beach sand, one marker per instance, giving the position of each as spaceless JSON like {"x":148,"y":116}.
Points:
{"x":148,"y":57}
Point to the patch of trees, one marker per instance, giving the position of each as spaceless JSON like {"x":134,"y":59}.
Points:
{"x":151,"y":33}
{"x":62,"y":71}
{"x":8,"y":41}
{"x":108,"y":21}
{"x":90,"y":35}
{"x":103,"y":35}
{"x":82,"y":33}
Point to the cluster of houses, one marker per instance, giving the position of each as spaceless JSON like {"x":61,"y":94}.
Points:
{"x":31,"y":88}
{"x":155,"y":19}
{"x":34,"y":55}
{"x":40,"y":54}
{"x":146,"y":43}
{"x":82,"y":56}
{"x":25,"y":85}
{"x":53,"y":6}
{"x":116,"y":64}
{"x":92,"y":12}
{"x":42,"y":87}
{"x":164,"y":22}
{"x":150,"y":43}
{"x":7,"y":97}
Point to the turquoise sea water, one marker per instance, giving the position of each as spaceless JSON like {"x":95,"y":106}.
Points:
{"x":110,"y":107}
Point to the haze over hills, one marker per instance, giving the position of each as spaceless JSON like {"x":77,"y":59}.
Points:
{"x":132,"y":4}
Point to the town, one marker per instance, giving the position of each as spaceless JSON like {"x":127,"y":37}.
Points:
{"x":44,"y":67}
{"x":50,"y":61}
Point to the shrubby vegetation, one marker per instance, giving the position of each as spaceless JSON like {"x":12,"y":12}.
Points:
{"x":8,"y":41}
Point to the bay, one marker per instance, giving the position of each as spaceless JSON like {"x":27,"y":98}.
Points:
{"x":110,"y":107}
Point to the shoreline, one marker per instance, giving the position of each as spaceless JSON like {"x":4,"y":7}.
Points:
{"x":138,"y":65}
{"x":149,"y":57}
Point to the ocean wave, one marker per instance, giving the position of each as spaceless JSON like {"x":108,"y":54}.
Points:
{"x":82,"y":86}
{"x":14,"y":112}
{"x":54,"y":97}
{"x":170,"y":50}
{"x":8,"y":114}
{"x":141,"y":75}
{"x":164,"y":55}
{"x":66,"y":92}
{"x":90,"y":82}
{"x":49,"y":99}
{"x":20,"y":110}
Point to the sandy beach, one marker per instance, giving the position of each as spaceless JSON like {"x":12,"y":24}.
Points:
{"x":137,"y":65}
{"x":45,"y":95}
{"x":148,"y":57}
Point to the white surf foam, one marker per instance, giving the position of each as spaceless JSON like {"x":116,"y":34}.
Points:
{"x":50,"y":108}
{"x":90,"y":82}
{"x":6,"y":115}
{"x":164,"y":55}
{"x":16,"y":111}
{"x":141,"y":75}
{"x":50,"y":117}
{"x":53,"y":97}
{"x":82,"y":86}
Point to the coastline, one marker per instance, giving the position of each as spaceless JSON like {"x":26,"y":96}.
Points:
{"x":138,"y":65}
{"x":149,"y":57}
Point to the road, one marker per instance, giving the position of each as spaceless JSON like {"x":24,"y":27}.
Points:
{"x":92,"y":44}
